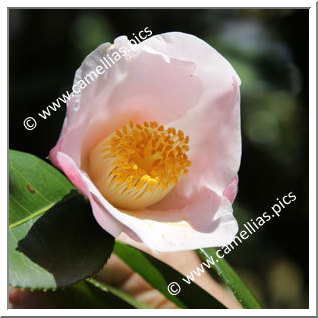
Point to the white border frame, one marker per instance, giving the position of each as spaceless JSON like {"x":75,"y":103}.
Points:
{"x":312,"y":159}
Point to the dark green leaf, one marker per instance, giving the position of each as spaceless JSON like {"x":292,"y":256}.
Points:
{"x":34,"y":187}
{"x":87,"y":296}
{"x":230,"y":278}
{"x":119,"y":293}
{"x":82,"y":295}
{"x":59,"y":247}
{"x":67,"y":242}
{"x":160,"y":275}
{"x":22,"y":271}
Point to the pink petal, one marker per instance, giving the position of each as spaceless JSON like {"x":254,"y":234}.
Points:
{"x":79,"y":179}
{"x":214,"y":123}
{"x":132,"y":93}
{"x":231,"y":189}
{"x":175,"y":79}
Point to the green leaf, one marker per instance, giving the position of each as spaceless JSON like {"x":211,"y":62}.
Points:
{"x":22,"y":271}
{"x":34,"y":187}
{"x":160,"y":275}
{"x":82,"y":295}
{"x":230,"y":278}
{"x":67,"y":242}
{"x":85,"y":295}
{"x":56,"y":248}
{"x":119,"y":293}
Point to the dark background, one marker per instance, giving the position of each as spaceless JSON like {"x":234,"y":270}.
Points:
{"x":269,"y":50}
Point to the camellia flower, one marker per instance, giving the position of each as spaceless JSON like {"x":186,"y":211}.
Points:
{"x":154,"y":141}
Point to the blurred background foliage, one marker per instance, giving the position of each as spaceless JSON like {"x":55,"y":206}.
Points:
{"x":269,"y":50}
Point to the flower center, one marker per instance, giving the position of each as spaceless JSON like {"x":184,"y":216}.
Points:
{"x":137,"y":165}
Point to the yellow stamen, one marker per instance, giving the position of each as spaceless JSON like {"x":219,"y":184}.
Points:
{"x":137,"y":165}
